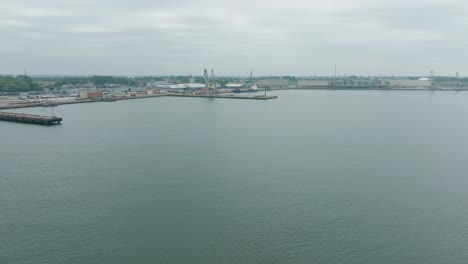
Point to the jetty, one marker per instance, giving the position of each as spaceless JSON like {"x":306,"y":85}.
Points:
{"x":30,"y":119}
{"x":255,"y":97}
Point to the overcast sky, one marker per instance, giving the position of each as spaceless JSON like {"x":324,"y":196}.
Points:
{"x":295,"y":37}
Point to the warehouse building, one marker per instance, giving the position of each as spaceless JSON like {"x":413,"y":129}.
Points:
{"x":405,"y":83}
{"x":273,"y":84}
{"x":311,"y":84}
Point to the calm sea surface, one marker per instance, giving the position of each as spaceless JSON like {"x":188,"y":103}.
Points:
{"x":312,"y":177}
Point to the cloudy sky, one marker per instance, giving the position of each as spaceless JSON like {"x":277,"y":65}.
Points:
{"x":295,"y":37}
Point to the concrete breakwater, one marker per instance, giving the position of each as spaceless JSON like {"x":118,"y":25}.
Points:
{"x":256,"y":97}
{"x":31,"y":119}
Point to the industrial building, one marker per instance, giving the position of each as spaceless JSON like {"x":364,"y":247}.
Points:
{"x":453,"y":85}
{"x":273,"y":83}
{"x":89,"y":94}
{"x":182,"y":86}
{"x":405,"y":83}
{"x":354,"y":83}
{"x":311,"y":84}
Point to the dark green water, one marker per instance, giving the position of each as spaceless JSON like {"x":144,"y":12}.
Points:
{"x":312,"y":177}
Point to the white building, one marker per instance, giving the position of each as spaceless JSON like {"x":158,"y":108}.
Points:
{"x":405,"y":83}
{"x":182,"y":86}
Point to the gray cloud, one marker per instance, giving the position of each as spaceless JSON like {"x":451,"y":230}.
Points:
{"x":181,"y":37}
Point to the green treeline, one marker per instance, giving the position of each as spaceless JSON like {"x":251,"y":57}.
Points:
{"x":97,"y":80}
{"x":102,"y":80}
{"x":20,"y":83}
{"x":71,"y":80}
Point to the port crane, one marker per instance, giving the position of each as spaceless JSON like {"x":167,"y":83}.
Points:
{"x":210,"y":81}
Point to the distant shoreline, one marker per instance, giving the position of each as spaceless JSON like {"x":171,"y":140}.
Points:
{"x":37,"y":104}
{"x":374,"y":89}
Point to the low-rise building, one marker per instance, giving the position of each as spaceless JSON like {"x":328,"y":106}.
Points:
{"x":273,"y":83}
{"x":182,"y":86}
{"x":312,"y":84}
{"x":406,"y":83}
{"x":91,"y":94}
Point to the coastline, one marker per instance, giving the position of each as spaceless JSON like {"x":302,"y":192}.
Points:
{"x":221,"y":96}
{"x":81,"y":101}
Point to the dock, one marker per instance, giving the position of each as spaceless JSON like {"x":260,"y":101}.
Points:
{"x":30,"y":119}
{"x":118,"y":98}
{"x":256,"y":97}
